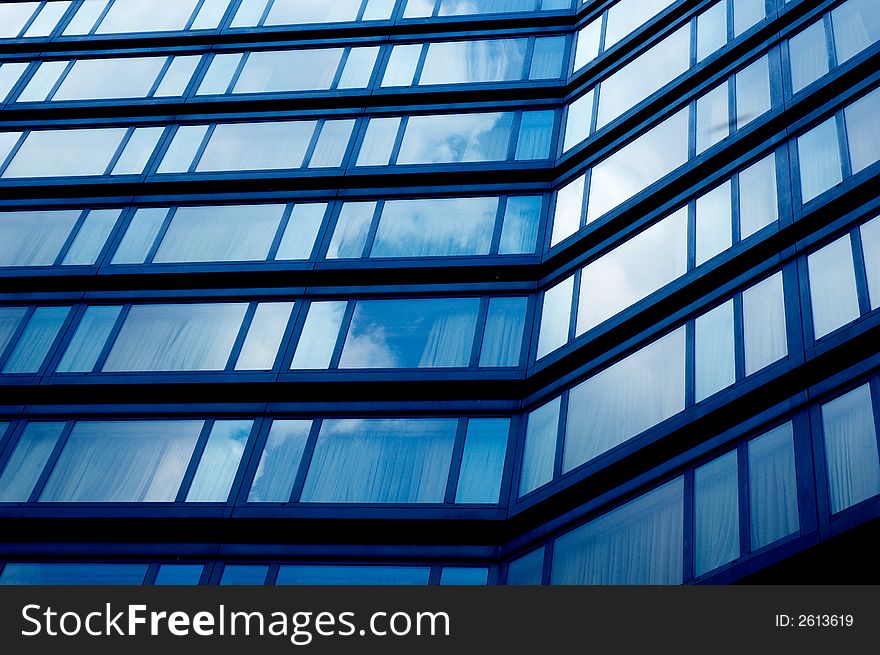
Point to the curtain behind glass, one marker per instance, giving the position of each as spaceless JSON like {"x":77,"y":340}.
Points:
{"x":638,"y":543}
{"x":539,"y":450}
{"x":219,"y":462}
{"x":772,"y":486}
{"x":503,"y":336}
{"x":118,"y":462}
{"x":381,"y":461}
{"x":28,"y":460}
{"x":716,"y":514}
{"x":851,"y":449}
{"x":279,"y":464}
{"x":34,"y":238}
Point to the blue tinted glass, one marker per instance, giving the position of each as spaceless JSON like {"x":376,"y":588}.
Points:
{"x":772,"y":487}
{"x":381,"y":461}
{"x":503,"y":337}
{"x":411,"y":333}
{"x":88,"y":342}
{"x":716,"y":514}
{"x":73,"y":574}
{"x":527,"y":570}
{"x":457,"y":138}
{"x":28,"y":460}
{"x":547,"y":59}
{"x":522,"y":218}
{"x":244,"y":574}
{"x":179,"y":574}
{"x":34,"y":238}
{"x":535,"y":135}
{"x":540,"y":447}
{"x":219,"y":462}
{"x":92,"y":235}
{"x":482,"y":463}
{"x":36,"y":340}
{"x":459,"y":575}
{"x":353,"y":575}
{"x":273,"y":481}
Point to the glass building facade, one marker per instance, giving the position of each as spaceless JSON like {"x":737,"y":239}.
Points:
{"x":455,"y":292}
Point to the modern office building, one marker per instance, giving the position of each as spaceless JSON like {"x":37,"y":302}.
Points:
{"x":439,"y":291}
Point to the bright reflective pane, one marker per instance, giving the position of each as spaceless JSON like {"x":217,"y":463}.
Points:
{"x":28,"y":460}
{"x":714,"y":223}
{"x":539,"y":451}
{"x":482,"y":463}
{"x":856,"y":26}
{"x":713,"y":117}
{"x":14,"y":16}
{"x":219,"y":462}
{"x":36,"y":341}
{"x":863,"y":131}
{"x":833,"y":294}
{"x":715,"y":356}
{"x":140,"y":236}
{"x":555,"y":317}
{"x":819,"y":160}
{"x":260,"y":348}
{"x":758,"y":206}
{"x":120,"y":77}
{"x":870,"y":232}
{"x":447,"y":139}
{"x":34,"y":238}
{"x":88,"y":341}
{"x":256,"y":146}
{"x":522,"y":218}
{"x":279,"y":463}
{"x":764,"y":324}
{"x":58,"y":153}
{"x":716,"y":514}
{"x":91,"y":237}
{"x":352,"y":229}
{"x":503,"y":335}
{"x":142,"y":16}
{"x":625,"y":16}
{"x":289,"y":70}
{"x":295,"y":12}
{"x":319,"y":335}
{"x":474,"y":61}
{"x":808,"y":51}
{"x":301,"y":231}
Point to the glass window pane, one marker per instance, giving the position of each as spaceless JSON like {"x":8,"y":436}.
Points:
{"x":319,"y":335}
{"x":34,"y":238}
{"x":569,"y":209}
{"x":625,"y":399}
{"x":539,"y":451}
{"x":819,"y":159}
{"x":716,"y":514}
{"x":378,"y":144}
{"x":555,"y":317}
{"x":833,"y":293}
{"x":106,"y":79}
{"x":503,"y":336}
{"x":527,"y":570}
{"x":463,"y":576}
{"x":92,"y":235}
{"x":713,"y":117}
{"x":142,"y":16}
{"x":45,"y":22}
{"x":244,"y":574}
{"x":711,"y":30}
{"x":448,"y":139}
{"x":210,"y":14}
{"x":352,"y":229}
{"x":138,"y":151}
{"x":482,"y":462}
{"x":752,"y":91}
{"x":772,"y":487}
{"x":248,"y":15}
{"x":219,"y":462}
{"x":57,"y":153}
{"x":15,"y":573}
{"x":85,"y":17}
{"x":10,"y":73}
{"x":870,"y":232}
{"x":809,"y":56}
{"x":758,"y":206}
{"x":381,"y":461}
{"x":471,"y":7}
{"x":184,"y":146}
{"x":122,"y":461}
{"x":279,"y":463}
{"x":714,"y":217}
{"x":359,"y":68}
{"x":639,"y":543}
{"x":547,"y":58}
{"x":486,"y":60}
{"x":289,"y":70}
{"x":36,"y":341}
{"x":402,"y":64}
{"x":296,"y":12}
{"x":421,"y":228}
{"x":764,"y":324}
{"x":863,"y":131}
{"x":638,"y":164}
{"x":14,"y":16}
{"x":587,"y":48}
{"x":257,"y":146}
{"x":301,"y":231}
{"x":196,"y":337}
{"x":264,"y":337}
{"x":28,"y":460}
{"x":140,"y":235}
{"x":522,"y":218}
{"x":179,"y":574}
{"x":220,"y":234}
{"x":577,"y":122}
{"x":411,"y":333}
{"x":625,"y":16}
{"x":633,"y":271}
{"x":10,"y":319}
{"x":747,"y":13}
{"x":379,"y":9}
{"x":352,"y":575}
{"x":851,"y":449}
{"x":856,"y":26}
{"x":535,"y":135}
{"x":332,"y":144}
{"x":715,"y":351}
{"x":646,"y":74}
{"x":177,"y":78}
{"x":88,"y":342}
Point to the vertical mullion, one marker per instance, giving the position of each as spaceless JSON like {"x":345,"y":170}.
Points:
{"x":745,"y":534}
{"x":243,"y":330}
{"x":820,"y":470}
{"x":739,"y":337}
{"x":861,"y":271}
{"x":249,"y":469}
{"x":690,"y":379}
{"x":560,"y":436}
{"x":843,"y":145}
{"x":111,"y":338}
{"x":313,"y":142}
{"x":343,"y":333}
{"x":299,"y":481}
{"x":689,"y":527}
{"x":805,"y":479}
{"x":206,"y":139}
{"x":343,"y":60}
{"x":160,"y":234}
{"x":527,"y":59}
{"x":195,"y":460}
{"x":736,"y":223}
{"x":501,"y":210}
{"x":279,"y":233}
{"x":62,"y":252}
{"x":691,"y":235}
{"x":16,"y":335}
{"x":398,"y":140}
{"x":455,"y":463}
{"x":242,"y":474}
{"x":479,"y":333}
{"x":242,"y":61}
{"x":373,"y":229}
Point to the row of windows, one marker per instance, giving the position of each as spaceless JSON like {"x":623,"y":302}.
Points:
{"x":27,"y":20}
{"x":280,"y":233}
{"x":403,"y":333}
{"x":743,"y":501}
{"x":696,"y":233}
{"x":277,"y":145}
{"x":736,"y":339}
{"x":413,"y":333}
{"x":353,"y":460}
{"x":141,"y":573}
{"x":283,"y":71}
